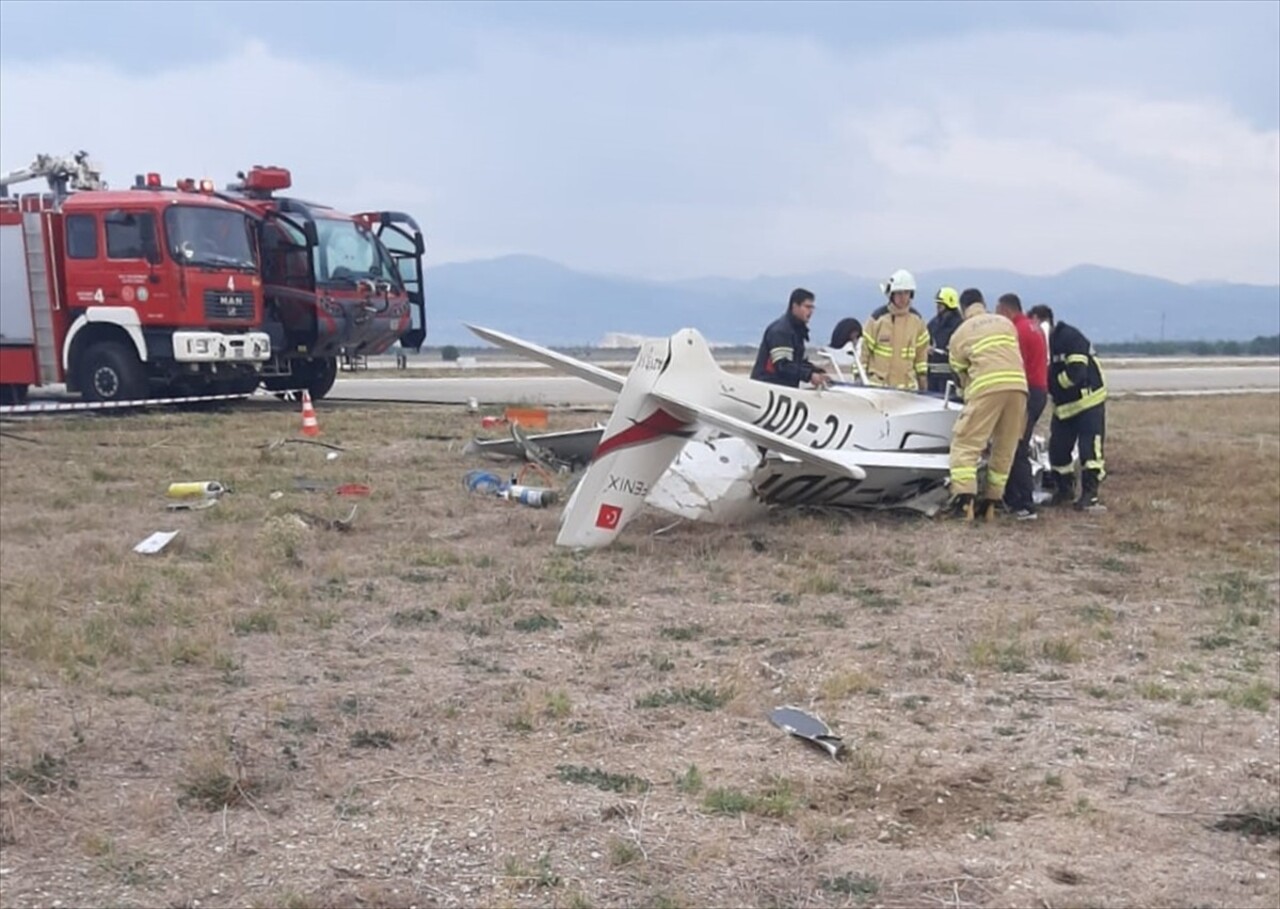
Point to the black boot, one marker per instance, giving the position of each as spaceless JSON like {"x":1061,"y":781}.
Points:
{"x":1064,"y":489}
{"x":1089,"y":493}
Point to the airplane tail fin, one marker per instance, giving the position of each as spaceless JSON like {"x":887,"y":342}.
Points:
{"x":643,"y":436}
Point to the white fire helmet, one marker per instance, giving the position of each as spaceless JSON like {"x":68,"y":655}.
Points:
{"x":899,"y":280}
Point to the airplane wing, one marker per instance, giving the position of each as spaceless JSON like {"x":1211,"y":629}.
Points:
{"x":593,"y":374}
{"x":823,"y":460}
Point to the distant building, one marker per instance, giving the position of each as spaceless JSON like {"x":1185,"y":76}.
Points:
{"x":614,"y":340}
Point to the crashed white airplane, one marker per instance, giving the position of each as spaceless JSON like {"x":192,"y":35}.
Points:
{"x":691,"y":439}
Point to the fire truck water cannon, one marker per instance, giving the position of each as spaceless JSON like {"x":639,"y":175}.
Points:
{"x":74,"y":173}
{"x":261,"y":181}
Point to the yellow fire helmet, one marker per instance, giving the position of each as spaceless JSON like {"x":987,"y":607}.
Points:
{"x":948,"y":297}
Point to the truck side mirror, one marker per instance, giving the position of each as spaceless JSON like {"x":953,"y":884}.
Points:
{"x":419,"y":245}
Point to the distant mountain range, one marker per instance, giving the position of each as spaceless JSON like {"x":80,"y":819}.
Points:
{"x":549,"y":303}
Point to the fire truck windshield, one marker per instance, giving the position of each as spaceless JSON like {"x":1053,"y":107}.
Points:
{"x":212,"y":237}
{"x":349,"y":252}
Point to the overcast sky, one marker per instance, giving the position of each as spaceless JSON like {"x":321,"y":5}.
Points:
{"x":683,"y":139}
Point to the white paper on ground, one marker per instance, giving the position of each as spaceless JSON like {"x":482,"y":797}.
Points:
{"x":156,"y":542}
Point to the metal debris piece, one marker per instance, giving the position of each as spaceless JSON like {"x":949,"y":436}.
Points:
{"x":156,"y":542}
{"x":559,"y":452}
{"x":806,"y":726}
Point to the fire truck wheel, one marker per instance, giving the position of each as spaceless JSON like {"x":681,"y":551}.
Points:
{"x":241,"y":385}
{"x":322,"y":378}
{"x":111,"y":372}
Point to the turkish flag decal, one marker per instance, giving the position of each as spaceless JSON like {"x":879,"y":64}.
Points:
{"x":608,"y":517}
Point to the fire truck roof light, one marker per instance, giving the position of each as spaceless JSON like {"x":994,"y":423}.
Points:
{"x":266,"y":179}
{"x":153,"y":179}
{"x":206,"y":185}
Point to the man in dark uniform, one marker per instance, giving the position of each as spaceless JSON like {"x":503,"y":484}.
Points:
{"x":1079,"y":392}
{"x":941,"y":327}
{"x":781,"y":359}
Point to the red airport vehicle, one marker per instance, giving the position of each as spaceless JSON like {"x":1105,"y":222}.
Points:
{"x":119,"y":294}
{"x":181,"y":290}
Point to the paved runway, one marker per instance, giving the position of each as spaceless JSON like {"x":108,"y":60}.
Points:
{"x":568,"y":391}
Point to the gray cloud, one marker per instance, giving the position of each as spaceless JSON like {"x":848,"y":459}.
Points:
{"x":681,"y":156}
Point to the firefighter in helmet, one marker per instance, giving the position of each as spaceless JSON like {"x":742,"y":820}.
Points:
{"x":895,"y":340}
{"x":941,"y":327}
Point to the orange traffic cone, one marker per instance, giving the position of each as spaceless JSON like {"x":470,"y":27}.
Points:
{"x":309,"y":425}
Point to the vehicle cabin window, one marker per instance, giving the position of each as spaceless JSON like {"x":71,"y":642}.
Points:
{"x":82,"y":237}
{"x":284,"y":256}
{"x":125,"y":233}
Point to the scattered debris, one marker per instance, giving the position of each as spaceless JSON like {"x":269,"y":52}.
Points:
{"x":156,"y":542}
{"x":806,"y":726}
{"x":302,"y":484}
{"x":353,"y":489}
{"x":559,"y":452}
{"x":314,"y":520}
{"x":483,"y":482}
{"x":533,"y":496}
{"x":201,"y":489}
{"x":534,"y":418}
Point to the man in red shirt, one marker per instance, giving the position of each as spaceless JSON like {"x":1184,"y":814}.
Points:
{"x":1035,"y":362}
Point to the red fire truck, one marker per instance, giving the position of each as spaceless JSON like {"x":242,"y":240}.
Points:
{"x":333,"y":284}
{"x":122,"y":294}
{"x":181,"y":289}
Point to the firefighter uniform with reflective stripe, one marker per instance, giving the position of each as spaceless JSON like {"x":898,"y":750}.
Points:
{"x":988,"y":365}
{"x":1079,"y":392}
{"x":895,"y":349}
{"x":780,"y":359}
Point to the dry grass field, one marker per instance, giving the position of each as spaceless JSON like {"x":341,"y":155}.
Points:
{"x":438,"y":707}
